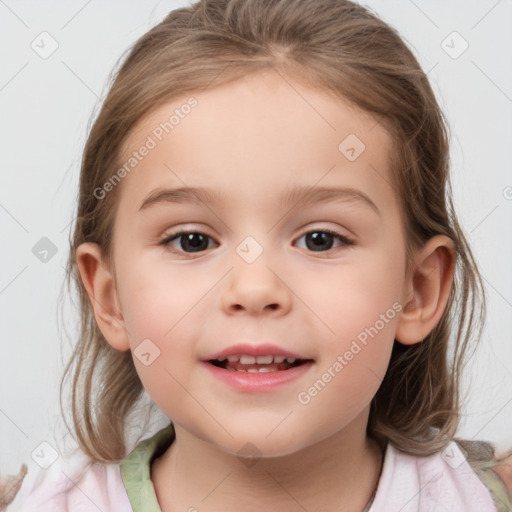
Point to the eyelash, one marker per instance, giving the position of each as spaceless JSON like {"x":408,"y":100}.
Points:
{"x":174,"y":236}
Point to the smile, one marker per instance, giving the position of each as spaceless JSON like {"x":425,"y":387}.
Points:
{"x":257,"y":364}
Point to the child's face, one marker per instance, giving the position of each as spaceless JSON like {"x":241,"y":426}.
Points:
{"x":250,"y":142}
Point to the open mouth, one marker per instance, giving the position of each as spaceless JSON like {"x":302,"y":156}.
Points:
{"x":257,"y":364}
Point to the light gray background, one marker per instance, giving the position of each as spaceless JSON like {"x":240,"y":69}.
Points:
{"x":46,"y":104}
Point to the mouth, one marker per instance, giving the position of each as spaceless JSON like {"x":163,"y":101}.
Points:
{"x":257,"y":364}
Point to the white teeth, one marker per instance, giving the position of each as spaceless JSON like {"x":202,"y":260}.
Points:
{"x":264,"y":359}
{"x":266,"y":370}
{"x":247,"y":359}
{"x":252,"y":370}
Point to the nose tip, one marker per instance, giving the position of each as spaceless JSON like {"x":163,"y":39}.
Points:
{"x":256,"y":291}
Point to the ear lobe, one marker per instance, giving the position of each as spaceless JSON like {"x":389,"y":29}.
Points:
{"x":100,"y":287}
{"x":428,"y":290}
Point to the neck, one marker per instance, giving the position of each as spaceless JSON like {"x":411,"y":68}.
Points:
{"x":338,"y":473}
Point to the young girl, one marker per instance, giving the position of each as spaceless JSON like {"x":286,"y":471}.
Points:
{"x":237,"y":138}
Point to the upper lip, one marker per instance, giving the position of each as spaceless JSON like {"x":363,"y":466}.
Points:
{"x":261,"y":349}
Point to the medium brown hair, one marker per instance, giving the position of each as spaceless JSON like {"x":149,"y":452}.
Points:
{"x":341,"y":48}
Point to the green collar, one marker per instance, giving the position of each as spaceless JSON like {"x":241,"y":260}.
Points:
{"x":136,"y":470}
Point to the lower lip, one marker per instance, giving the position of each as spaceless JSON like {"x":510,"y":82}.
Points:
{"x":257,"y":382}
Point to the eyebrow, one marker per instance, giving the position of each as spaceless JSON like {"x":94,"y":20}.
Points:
{"x":293,"y":196}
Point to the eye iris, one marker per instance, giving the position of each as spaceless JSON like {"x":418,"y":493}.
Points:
{"x":194,"y":241}
{"x":318,"y":240}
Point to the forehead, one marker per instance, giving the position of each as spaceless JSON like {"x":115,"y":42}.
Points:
{"x":255,"y":135}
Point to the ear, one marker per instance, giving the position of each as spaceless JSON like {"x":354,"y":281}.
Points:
{"x":100,"y":286}
{"x":427,"y":289}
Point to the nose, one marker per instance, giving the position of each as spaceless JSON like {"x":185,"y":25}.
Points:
{"x":255,"y":288}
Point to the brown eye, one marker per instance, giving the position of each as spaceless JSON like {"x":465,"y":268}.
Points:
{"x":188,"y":241}
{"x":324,"y":239}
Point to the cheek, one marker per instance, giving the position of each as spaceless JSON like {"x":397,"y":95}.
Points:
{"x":155,"y":301}
{"x":359,"y":310}
{"x":162,"y":314}
{"x":352,"y":366}
{"x":356,"y":295}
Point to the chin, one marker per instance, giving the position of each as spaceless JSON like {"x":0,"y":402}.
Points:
{"x":255,"y":445}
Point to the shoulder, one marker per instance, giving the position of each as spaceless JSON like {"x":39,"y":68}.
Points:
{"x":503,"y":469}
{"x":459,"y":477}
{"x":493,"y":469}
{"x":72,"y":483}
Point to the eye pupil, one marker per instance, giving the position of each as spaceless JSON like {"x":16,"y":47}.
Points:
{"x":318,"y":239}
{"x":194,"y":241}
